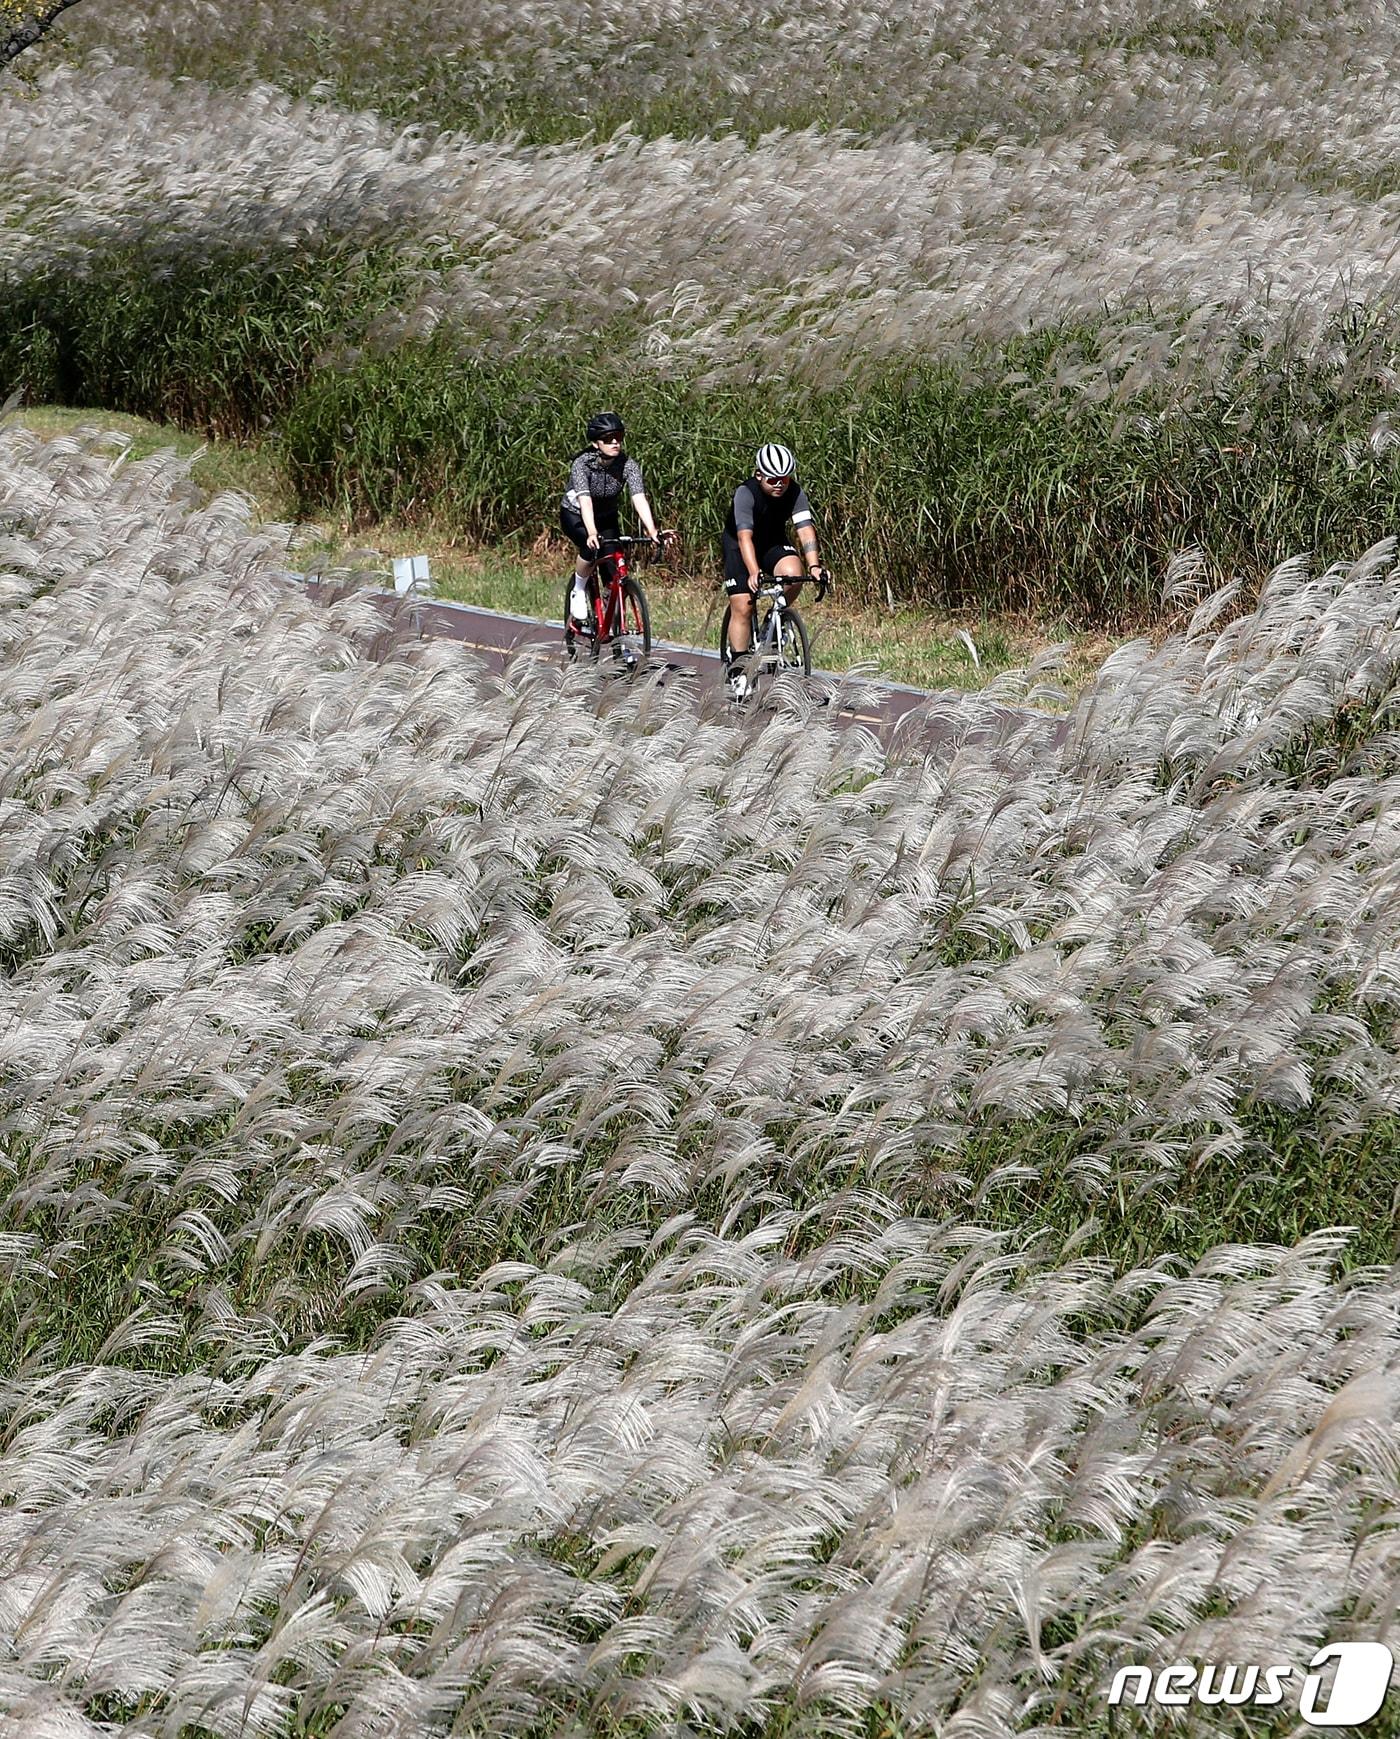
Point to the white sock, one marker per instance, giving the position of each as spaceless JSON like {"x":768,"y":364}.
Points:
{"x":578,"y":602}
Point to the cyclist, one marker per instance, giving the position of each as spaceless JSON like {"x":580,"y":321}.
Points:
{"x":755,"y":541}
{"x":588,"y":513}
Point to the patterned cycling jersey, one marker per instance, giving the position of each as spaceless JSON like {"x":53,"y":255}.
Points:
{"x":603,"y":479}
{"x":766,"y":516}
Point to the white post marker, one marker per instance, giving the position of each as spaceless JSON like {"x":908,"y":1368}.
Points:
{"x":410,"y":574}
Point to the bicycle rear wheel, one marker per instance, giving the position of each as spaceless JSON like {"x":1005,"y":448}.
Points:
{"x":630,"y":637}
{"x":724,"y":638}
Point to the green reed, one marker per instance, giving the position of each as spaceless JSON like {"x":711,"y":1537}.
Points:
{"x":976,"y":479}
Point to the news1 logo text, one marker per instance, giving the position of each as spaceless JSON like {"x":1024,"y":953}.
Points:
{"x":1348,"y":1696}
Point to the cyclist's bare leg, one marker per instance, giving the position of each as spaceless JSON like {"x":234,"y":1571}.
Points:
{"x":583,"y":573}
{"x":789,"y":570}
{"x":740,"y":622}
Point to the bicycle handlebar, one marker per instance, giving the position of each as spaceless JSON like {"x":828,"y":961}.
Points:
{"x":654,"y":544}
{"x":775,"y":586}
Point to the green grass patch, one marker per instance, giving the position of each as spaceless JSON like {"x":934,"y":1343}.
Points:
{"x":991,"y":491}
{"x":251,"y":468}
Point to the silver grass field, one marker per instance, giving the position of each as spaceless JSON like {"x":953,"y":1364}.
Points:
{"x":802,"y":249}
{"x":733,"y":1406}
{"x":532,"y":1206}
{"x":1277,"y":88}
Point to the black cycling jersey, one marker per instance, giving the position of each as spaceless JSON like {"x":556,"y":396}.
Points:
{"x":766,"y":516}
{"x":602,"y":479}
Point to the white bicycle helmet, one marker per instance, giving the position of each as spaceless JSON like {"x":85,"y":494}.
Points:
{"x":774,"y":460}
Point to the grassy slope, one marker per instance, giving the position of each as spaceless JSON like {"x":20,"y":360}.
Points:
{"x":254,"y":471}
{"x":548,"y":72}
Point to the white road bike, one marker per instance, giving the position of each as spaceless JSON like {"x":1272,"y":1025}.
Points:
{"x":780,"y":645}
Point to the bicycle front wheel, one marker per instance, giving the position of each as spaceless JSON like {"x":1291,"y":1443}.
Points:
{"x":631,"y":634}
{"x":794,"y":648}
{"x":570,"y":628}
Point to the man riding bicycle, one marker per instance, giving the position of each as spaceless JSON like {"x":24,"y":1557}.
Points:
{"x":755,"y":542}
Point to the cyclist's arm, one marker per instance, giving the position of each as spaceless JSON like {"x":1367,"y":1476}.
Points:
{"x":743,"y":532}
{"x":637,"y":489}
{"x":580,"y":490}
{"x":643,"y":511}
{"x":806,"y":532}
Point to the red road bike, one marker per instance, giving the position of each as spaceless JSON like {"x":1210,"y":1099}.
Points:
{"x":620,"y":619}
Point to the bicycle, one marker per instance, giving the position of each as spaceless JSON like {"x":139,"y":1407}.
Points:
{"x":621,"y":618}
{"x":781,"y":643}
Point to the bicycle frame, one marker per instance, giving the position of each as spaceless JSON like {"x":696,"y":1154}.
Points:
{"x":770,"y":634}
{"x":766,"y":637}
{"x":620,"y":617}
{"x":607,"y":588}
{"x":772,"y":641}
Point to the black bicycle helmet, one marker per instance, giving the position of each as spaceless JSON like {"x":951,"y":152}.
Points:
{"x":605,"y":423}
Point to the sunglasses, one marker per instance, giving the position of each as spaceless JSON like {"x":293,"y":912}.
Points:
{"x":785,"y":480}
{"x":610,"y":440}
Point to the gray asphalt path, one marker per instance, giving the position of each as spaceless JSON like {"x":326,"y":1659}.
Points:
{"x":893,"y":711}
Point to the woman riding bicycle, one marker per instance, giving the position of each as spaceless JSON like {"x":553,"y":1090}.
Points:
{"x":588,"y":513}
{"x":755,"y":540}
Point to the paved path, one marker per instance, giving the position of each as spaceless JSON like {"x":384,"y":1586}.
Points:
{"x":893,"y":711}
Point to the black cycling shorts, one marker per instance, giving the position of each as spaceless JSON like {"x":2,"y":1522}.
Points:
{"x":736,"y":575}
{"x":571,"y":522}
